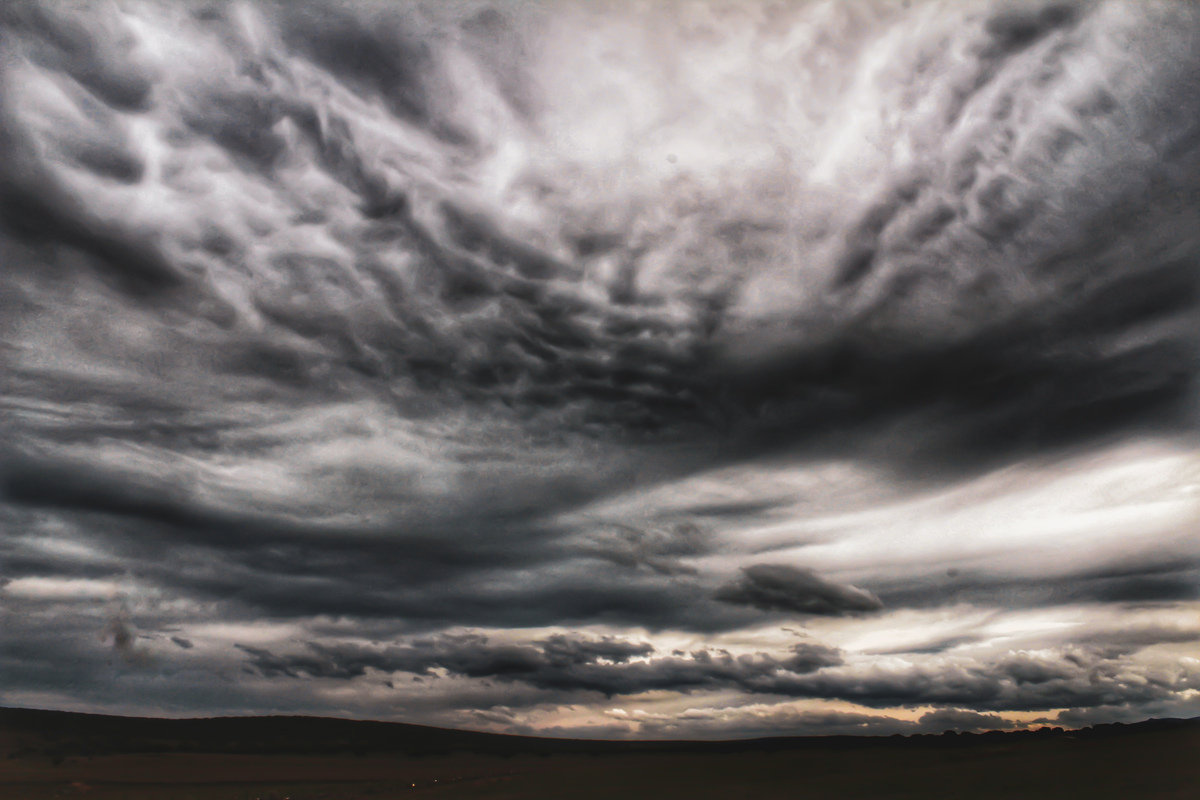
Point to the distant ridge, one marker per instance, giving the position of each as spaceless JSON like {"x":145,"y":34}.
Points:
{"x":53,"y":754}
{"x":67,"y":733}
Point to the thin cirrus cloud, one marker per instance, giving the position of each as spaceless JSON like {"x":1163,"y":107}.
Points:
{"x":553,"y":367}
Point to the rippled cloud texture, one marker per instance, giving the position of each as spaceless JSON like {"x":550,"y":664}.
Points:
{"x":660,"y":370}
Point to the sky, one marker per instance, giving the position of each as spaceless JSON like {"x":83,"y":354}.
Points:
{"x":604,"y":370}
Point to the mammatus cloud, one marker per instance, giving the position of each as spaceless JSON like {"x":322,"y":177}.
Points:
{"x":366,"y":325}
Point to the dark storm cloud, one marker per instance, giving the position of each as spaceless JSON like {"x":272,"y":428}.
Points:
{"x":422,"y":577}
{"x":1066,"y":677}
{"x":559,"y":663}
{"x":779,"y":587}
{"x":1176,"y":578}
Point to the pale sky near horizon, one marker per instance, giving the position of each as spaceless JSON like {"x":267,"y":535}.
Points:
{"x":660,"y":369}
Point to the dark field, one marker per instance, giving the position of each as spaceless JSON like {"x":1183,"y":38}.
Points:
{"x":55,"y":754}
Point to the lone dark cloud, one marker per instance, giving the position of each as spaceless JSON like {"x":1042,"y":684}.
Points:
{"x":779,"y":587}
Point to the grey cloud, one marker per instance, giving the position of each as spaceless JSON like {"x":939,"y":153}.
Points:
{"x":1067,"y":677}
{"x":1161,"y":580}
{"x":779,"y":587}
{"x":787,"y":721}
{"x":559,"y":663}
{"x":660,"y":548}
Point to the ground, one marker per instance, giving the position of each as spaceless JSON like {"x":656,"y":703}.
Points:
{"x":48,"y":757}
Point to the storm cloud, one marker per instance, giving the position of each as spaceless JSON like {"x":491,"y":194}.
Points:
{"x":565,"y":355}
{"x":557,"y":663}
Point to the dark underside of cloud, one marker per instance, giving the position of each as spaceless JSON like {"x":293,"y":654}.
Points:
{"x":1083,"y":677}
{"x":340,"y":310}
{"x":778,"y":587}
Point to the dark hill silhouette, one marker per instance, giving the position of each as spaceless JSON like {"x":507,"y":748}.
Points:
{"x":56,"y":753}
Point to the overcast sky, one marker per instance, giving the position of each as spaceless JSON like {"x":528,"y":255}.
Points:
{"x":653,"y":370}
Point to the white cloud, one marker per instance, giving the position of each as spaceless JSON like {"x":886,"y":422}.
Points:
{"x":53,"y":589}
